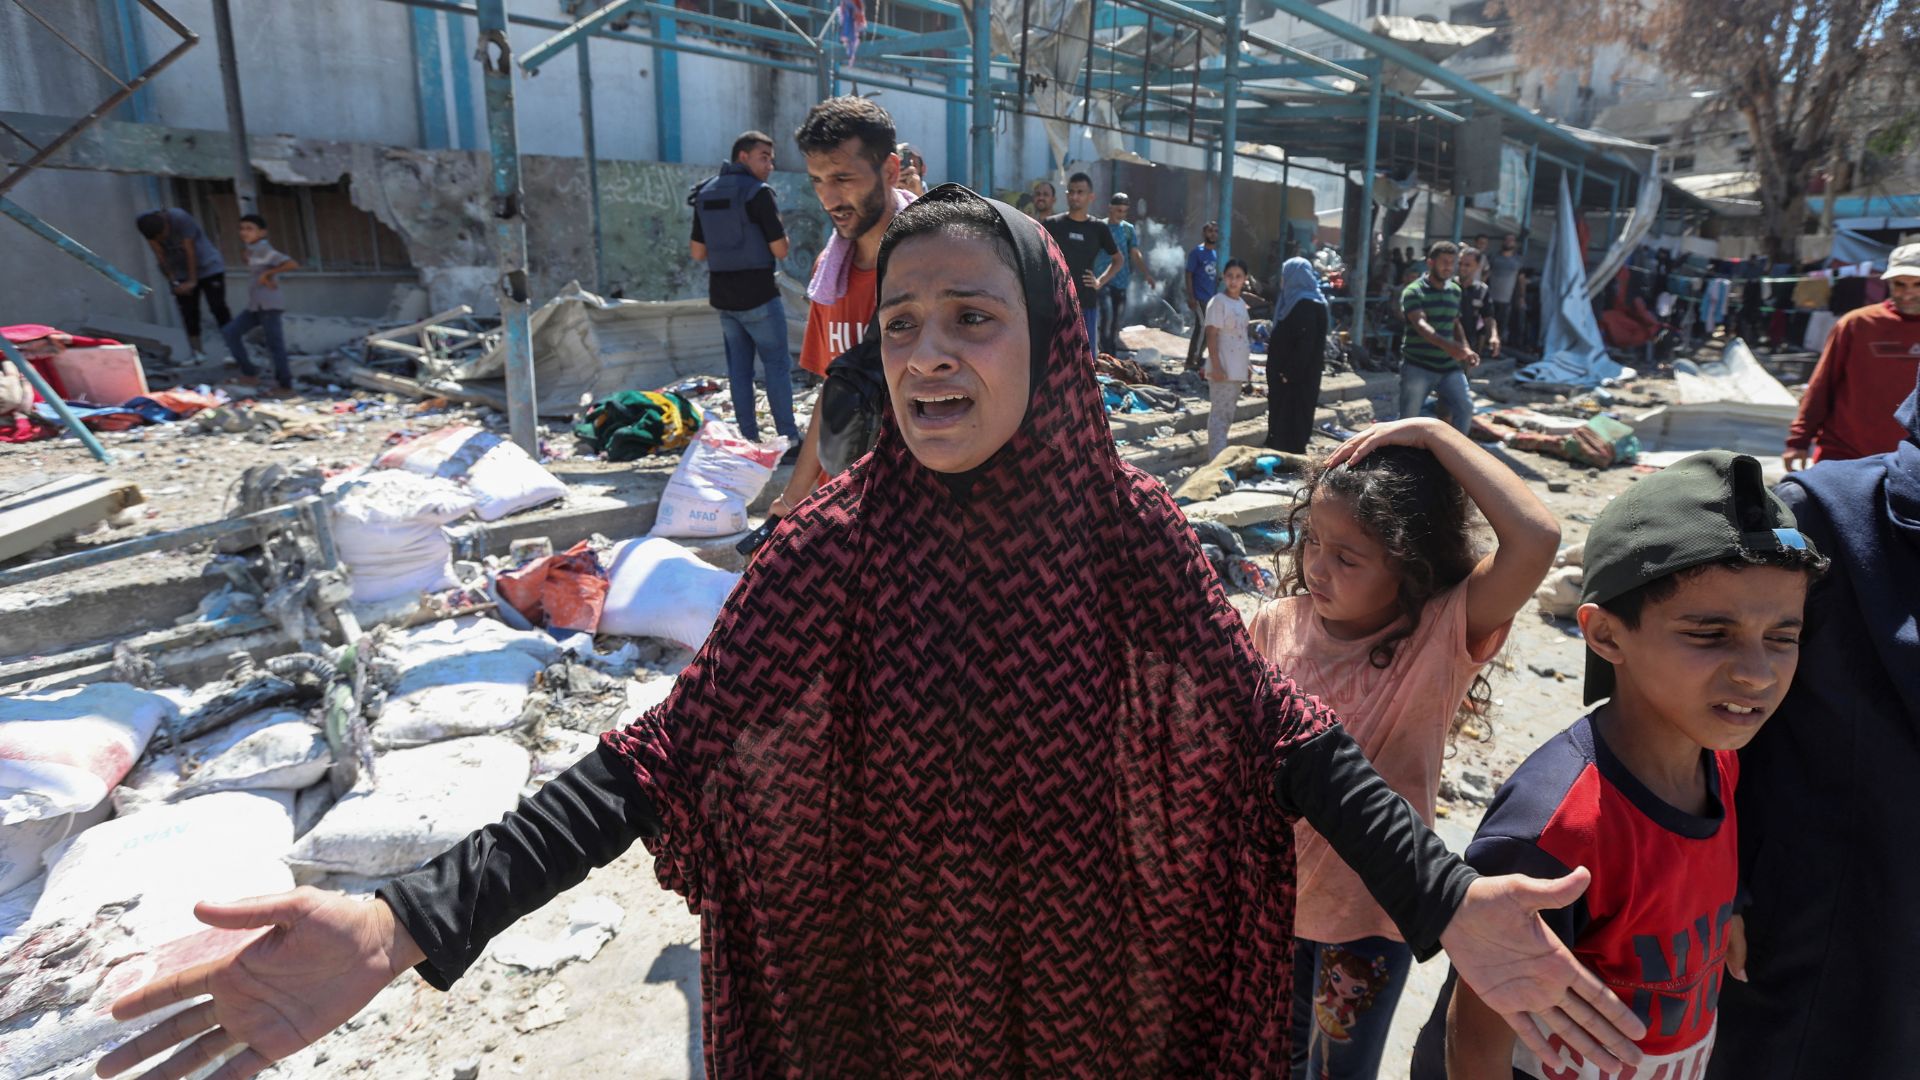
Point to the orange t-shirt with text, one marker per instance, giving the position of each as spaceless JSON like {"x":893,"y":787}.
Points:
{"x":834,"y":328}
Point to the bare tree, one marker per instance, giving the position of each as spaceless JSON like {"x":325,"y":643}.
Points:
{"x":1791,"y":68}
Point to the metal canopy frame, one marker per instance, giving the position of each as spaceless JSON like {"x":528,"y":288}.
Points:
{"x":1176,"y":71}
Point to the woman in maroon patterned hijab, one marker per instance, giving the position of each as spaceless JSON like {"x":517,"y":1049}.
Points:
{"x":978,"y":774}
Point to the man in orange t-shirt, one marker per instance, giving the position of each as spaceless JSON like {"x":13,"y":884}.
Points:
{"x":848,"y":144}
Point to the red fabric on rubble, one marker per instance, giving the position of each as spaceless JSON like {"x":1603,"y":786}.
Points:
{"x":980,"y":784}
{"x":563,"y":592}
{"x":19,"y":429}
{"x":21,"y":333}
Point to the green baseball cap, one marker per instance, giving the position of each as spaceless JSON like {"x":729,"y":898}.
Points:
{"x":1710,"y":506}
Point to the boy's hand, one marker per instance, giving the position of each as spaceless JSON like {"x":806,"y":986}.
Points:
{"x":1520,"y":970}
{"x":1737,"y":948}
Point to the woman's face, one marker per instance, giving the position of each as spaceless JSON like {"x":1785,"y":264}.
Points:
{"x":953,"y":337}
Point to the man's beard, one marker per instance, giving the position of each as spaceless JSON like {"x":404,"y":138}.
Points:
{"x":870,"y":211}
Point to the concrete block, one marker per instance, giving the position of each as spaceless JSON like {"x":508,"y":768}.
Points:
{"x":1354,"y":414}
{"x":1242,"y":508}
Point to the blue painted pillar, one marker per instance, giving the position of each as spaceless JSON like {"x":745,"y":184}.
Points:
{"x":462,"y":80}
{"x":1526,"y":207}
{"x":666,"y":90}
{"x":591,"y":150}
{"x":509,"y":224}
{"x":1229,"y":129}
{"x":956,"y":130}
{"x":1363,"y":259}
{"x":982,"y":99}
{"x":429,"y":94}
{"x":129,"y":47}
{"x":1459,"y":216}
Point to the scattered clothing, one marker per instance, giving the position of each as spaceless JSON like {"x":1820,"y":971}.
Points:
{"x":634,"y":423}
{"x":1870,"y":359}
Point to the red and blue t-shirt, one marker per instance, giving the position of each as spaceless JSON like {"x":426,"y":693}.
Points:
{"x":1653,"y":923}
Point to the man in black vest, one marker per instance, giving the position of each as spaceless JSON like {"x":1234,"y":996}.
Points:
{"x":737,"y":233}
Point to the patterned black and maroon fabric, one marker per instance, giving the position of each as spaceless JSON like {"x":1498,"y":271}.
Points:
{"x":982,"y":785}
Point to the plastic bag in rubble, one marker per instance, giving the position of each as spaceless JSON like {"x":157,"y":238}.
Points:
{"x":717,"y":477}
{"x":460,"y":677}
{"x":225,"y":846}
{"x":426,"y":799}
{"x":387,"y":527}
{"x":656,"y":588}
{"x":59,"y":756}
{"x":503,"y":477}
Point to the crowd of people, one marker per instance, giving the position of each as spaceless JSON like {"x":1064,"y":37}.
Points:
{"x":980,"y":773}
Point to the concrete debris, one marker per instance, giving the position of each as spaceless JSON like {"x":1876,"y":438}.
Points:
{"x":549,"y":1007}
{"x":592,"y":921}
{"x":56,"y":508}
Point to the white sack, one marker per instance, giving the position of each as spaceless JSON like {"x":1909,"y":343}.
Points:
{"x":23,"y":847}
{"x":160,"y":775}
{"x":460,"y":677}
{"x":425,"y":800}
{"x":62,"y":752}
{"x":720,"y":473}
{"x":387,"y":527}
{"x":226,"y":846}
{"x":656,"y":588}
{"x":502,"y":477}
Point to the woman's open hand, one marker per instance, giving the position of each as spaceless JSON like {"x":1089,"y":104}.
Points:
{"x":322,"y":958}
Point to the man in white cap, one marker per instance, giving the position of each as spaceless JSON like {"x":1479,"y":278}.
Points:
{"x":1867,"y":367}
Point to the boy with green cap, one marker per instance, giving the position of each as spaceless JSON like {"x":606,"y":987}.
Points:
{"x":1695,"y":583}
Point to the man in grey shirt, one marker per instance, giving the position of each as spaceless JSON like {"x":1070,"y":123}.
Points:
{"x":1503,"y":271}
{"x":193,"y":267}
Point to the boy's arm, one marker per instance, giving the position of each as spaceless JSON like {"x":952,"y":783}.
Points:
{"x":286,"y":263}
{"x":1479,"y":1042}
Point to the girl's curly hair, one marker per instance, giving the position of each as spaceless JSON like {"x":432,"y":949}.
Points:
{"x":1418,"y":512}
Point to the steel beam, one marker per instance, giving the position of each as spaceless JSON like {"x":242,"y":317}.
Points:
{"x":245,"y":189}
{"x":591,"y":148}
{"x":1363,"y":259}
{"x":1230,"y":128}
{"x":982,"y":171}
{"x":73,"y":247}
{"x":509,"y":224}
{"x":59,"y":406}
{"x":462,"y":81}
{"x":429,"y":93}
{"x":666,"y":90}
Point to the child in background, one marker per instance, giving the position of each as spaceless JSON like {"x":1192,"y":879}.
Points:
{"x":1694,"y":587}
{"x":1229,"y":354}
{"x":265,"y":305}
{"x":1391,"y":616}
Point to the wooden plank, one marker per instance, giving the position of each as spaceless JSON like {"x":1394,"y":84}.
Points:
{"x":56,"y":510}
{"x":400,"y":384}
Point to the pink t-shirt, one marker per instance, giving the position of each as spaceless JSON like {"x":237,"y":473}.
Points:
{"x":1398,"y":714}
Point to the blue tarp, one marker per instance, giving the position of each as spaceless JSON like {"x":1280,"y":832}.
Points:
{"x":1850,"y":247}
{"x":1573,"y":350}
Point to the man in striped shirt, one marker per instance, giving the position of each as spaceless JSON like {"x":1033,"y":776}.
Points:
{"x":1436,"y":357}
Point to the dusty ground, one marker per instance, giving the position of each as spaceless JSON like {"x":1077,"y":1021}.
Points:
{"x":633,"y":1010}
